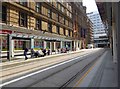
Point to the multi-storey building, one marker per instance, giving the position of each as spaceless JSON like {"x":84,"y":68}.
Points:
{"x":39,"y":25}
{"x":100,"y":36}
{"x":79,"y":25}
{"x":90,"y":39}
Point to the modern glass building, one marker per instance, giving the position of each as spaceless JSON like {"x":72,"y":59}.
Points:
{"x":99,"y":32}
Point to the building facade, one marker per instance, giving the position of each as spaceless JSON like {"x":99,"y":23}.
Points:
{"x":110,"y":15}
{"x":47,"y":25}
{"x":80,"y":26}
{"x":90,"y":38}
{"x":100,"y":36}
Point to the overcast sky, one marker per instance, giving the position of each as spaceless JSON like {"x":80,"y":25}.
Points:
{"x":91,"y":5}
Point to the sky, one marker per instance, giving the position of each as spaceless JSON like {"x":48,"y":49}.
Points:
{"x":91,"y":5}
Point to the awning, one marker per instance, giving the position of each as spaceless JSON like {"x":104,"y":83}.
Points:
{"x":27,"y":33}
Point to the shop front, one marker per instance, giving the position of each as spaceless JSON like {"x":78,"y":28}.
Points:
{"x":13,"y":41}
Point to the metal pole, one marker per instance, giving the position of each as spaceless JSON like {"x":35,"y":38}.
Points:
{"x":9,"y":48}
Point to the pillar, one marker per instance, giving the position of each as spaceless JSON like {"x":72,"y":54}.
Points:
{"x":80,"y":44}
{"x":114,"y":43}
{"x":55,"y":47}
{"x":61,"y":44}
{"x":71,"y":46}
{"x":45,"y":44}
{"x":12,"y":48}
{"x":32,"y":43}
{"x":9,"y":48}
{"x":74,"y":45}
{"x":50,"y":47}
{"x":118,"y":40}
{"x":114,"y":32}
{"x":77,"y":45}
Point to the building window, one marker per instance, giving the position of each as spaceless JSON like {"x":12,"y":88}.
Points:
{"x":57,"y":5}
{"x":38,"y":24}
{"x":71,"y":34}
{"x":44,"y":11}
{"x":60,"y":7}
{"x":66,"y":22}
{"x":23,"y":3}
{"x":63,"y":9}
{"x":63,"y":20}
{"x":67,"y":5}
{"x":49,"y":27}
{"x":68,"y":32}
{"x":67,"y":13}
{"x":49,"y":13}
{"x":23,"y":19}
{"x":3,"y":42}
{"x":57,"y":17}
{"x":4,"y":14}
{"x":64,"y":31}
{"x":57,"y":29}
{"x":70,"y":15}
{"x":38,"y":7}
{"x":44,"y":25}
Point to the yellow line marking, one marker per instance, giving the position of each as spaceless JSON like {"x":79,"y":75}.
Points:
{"x":81,"y":79}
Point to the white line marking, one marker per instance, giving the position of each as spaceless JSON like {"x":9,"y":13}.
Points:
{"x":23,"y":77}
{"x":24,"y":65}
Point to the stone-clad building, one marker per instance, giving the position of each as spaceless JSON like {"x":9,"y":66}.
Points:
{"x":39,"y":25}
{"x":81,"y":26}
{"x":90,"y":38}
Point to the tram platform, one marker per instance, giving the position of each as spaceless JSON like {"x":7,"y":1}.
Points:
{"x":104,"y":74}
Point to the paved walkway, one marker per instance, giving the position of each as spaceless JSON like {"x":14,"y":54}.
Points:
{"x":20,"y":59}
{"x":104,"y":73}
{"x":110,"y":73}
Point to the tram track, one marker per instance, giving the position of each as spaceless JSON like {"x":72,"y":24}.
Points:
{"x":73,"y":77}
{"x":80,"y":72}
{"x":77,"y":60}
{"x":36,"y":66}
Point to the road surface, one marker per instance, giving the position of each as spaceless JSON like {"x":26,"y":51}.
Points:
{"x":61,"y":72}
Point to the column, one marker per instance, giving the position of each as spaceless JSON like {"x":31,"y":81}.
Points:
{"x":50,"y":47}
{"x":12,"y":48}
{"x":9,"y":48}
{"x":55,"y":46}
{"x":118,"y":40}
{"x":32,"y":43}
{"x":74,"y":46}
{"x":118,"y":33}
{"x":114,"y":43}
{"x":71,"y":46}
{"x":80,"y":44}
{"x":61,"y":44}
{"x":45,"y":44}
{"x":77,"y":45}
{"x":114,"y":33}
